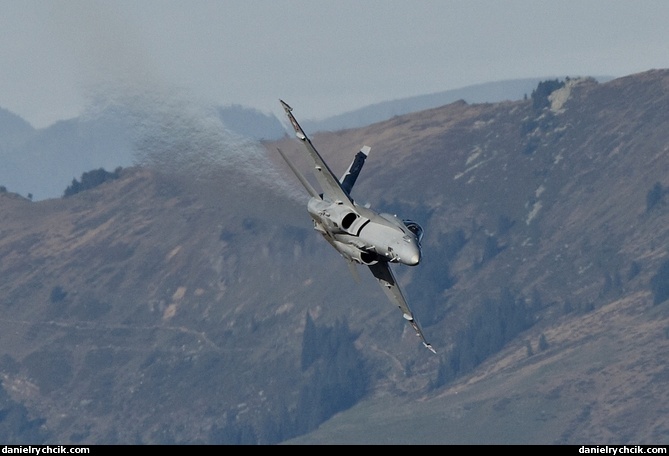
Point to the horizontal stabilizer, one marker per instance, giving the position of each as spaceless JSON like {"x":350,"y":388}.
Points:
{"x":312,"y":191}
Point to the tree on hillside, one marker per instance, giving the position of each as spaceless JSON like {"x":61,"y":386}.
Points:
{"x":489,"y":328}
{"x":654,"y":196}
{"x":659,"y":283}
{"x":91,"y":179}
{"x":543,"y":343}
{"x":337,"y":377}
{"x":544,"y":89}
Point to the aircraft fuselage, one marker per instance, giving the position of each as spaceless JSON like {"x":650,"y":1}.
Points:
{"x":363,"y":235}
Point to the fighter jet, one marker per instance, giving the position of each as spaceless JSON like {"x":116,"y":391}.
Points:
{"x":361,"y":235}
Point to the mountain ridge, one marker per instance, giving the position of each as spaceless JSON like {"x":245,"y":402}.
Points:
{"x":489,"y":92}
{"x":43,"y":162}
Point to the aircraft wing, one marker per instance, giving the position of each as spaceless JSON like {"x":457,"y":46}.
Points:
{"x":386,"y":278}
{"x":332,"y":189}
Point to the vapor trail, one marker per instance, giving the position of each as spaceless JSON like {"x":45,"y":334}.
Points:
{"x":174,"y":133}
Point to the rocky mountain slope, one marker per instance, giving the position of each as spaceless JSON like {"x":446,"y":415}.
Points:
{"x":195,"y":304}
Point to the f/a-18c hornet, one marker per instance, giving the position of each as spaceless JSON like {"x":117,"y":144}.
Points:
{"x":360,"y":234}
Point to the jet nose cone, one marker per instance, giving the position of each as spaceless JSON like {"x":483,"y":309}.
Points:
{"x":411,"y":257}
{"x":414,"y":259}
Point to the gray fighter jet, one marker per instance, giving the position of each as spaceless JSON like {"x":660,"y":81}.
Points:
{"x":360,"y":234}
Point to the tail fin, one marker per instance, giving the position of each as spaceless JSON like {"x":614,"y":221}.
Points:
{"x":351,"y":175}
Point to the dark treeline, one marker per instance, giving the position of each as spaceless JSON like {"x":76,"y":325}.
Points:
{"x":335,"y":379}
{"x":490,"y":327}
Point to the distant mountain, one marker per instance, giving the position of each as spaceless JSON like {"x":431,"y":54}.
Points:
{"x":13,"y":130}
{"x":42,"y":163}
{"x":195,"y":304}
{"x":490,"y":92}
{"x":251,"y":123}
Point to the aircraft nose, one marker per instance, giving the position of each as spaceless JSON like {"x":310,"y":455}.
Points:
{"x":411,"y":257}
{"x":414,"y":259}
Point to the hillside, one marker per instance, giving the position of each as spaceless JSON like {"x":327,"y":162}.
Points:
{"x":195,"y":304}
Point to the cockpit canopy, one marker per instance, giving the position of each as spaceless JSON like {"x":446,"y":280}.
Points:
{"x":415,"y":228}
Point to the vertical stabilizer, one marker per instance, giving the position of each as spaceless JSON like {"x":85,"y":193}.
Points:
{"x":351,"y":175}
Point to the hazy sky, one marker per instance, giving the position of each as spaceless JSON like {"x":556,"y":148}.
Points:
{"x":322,"y":57}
